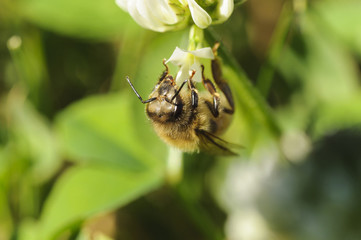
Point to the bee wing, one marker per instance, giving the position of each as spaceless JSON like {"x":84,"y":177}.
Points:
{"x":215,"y":145}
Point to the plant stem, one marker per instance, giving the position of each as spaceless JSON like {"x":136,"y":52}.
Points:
{"x":247,"y":94}
{"x":174,"y":168}
{"x":267,"y":71}
{"x":196,"y":38}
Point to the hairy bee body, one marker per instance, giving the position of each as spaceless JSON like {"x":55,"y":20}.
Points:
{"x":186,"y":119}
{"x":183,"y":130}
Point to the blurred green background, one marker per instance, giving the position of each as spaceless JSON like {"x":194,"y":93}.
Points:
{"x":79,"y":159}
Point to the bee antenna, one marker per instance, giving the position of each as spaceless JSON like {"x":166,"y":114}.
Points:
{"x":136,"y":93}
{"x":180,"y":88}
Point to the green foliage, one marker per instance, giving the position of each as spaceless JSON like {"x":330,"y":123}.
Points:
{"x":75,"y":142}
{"x":85,"y":191}
{"x":101,"y":130}
{"x":78,"y":18}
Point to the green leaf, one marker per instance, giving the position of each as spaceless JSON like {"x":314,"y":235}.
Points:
{"x":339,"y":115}
{"x":84,"y":191}
{"x":322,"y":69}
{"x":81,"y":18}
{"x":103,"y":130}
{"x":279,"y":37}
{"x":255,"y":120}
{"x":5,"y":214}
{"x":106,"y":133}
{"x":30,"y":138}
{"x":343,"y":19}
{"x":84,"y":235}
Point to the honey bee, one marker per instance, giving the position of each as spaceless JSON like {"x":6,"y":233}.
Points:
{"x":187,"y":119}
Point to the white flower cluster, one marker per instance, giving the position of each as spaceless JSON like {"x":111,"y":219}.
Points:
{"x":189,"y":61}
{"x":164,"y":15}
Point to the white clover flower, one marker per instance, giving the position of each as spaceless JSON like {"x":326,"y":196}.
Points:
{"x":224,"y":10}
{"x":189,"y":61}
{"x":164,"y":15}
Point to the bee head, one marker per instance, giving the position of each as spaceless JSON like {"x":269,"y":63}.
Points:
{"x":167,"y":104}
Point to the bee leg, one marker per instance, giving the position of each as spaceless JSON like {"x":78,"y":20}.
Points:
{"x":213,"y":107}
{"x":178,"y":91}
{"x":194,"y":92}
{"x":165,"y":72}
{"x":220,"y":81}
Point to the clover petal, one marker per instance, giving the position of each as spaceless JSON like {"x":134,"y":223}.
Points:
{"x":156,"y":15}
{"x":188,"y":61}
{"x":200,"y":17}
{"x":164,"y":15}
{"x":225,"y":9}
{"x":177,"y":57}
{"x":203,"y":53}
